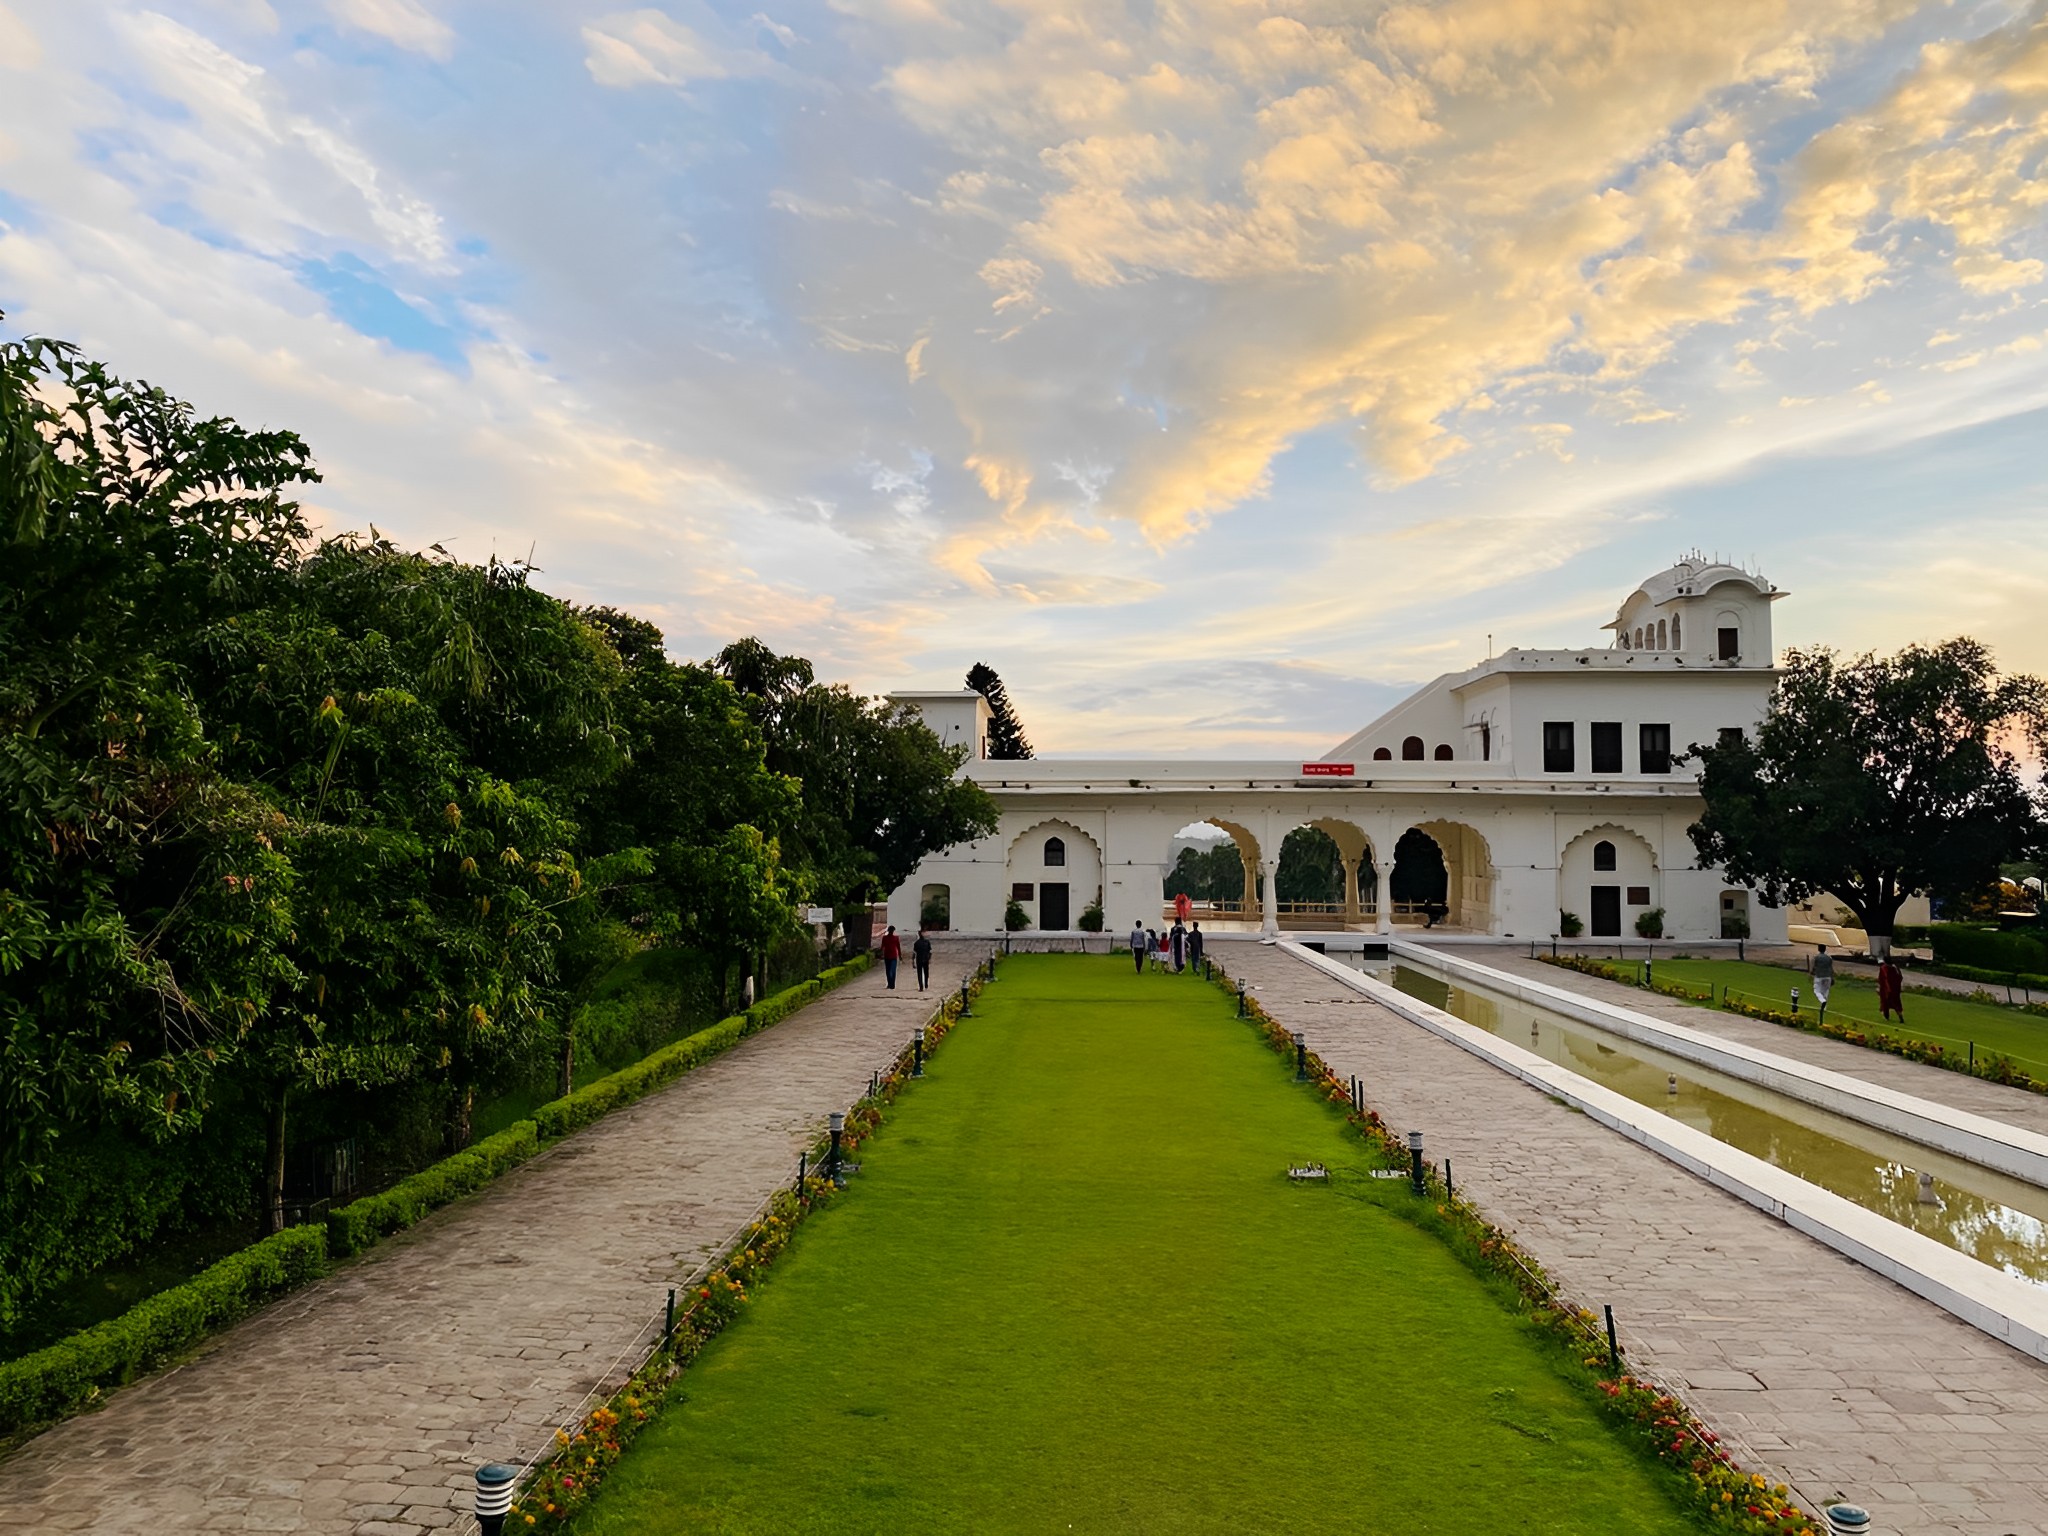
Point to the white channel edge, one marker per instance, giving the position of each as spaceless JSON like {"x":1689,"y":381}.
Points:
{"x":2007,"y":1308}
{"x":1995,"y":1144}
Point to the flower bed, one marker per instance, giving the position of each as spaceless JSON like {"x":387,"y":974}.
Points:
{"x":564,"y":1483}
{"x":1990,"y":1065}
{"x":1724,"y":1495}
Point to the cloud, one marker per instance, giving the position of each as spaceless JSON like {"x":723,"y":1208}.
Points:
{"x":19,"y":47}
{"x":649,"y":47}
{"x":403,"y":23}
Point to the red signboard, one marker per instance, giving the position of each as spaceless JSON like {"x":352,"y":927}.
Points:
{"x":1327,"y":770}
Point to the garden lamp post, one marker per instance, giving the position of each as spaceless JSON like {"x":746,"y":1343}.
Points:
{"x":1795,"y":1002}
{"x":1415,"y":1160}
{"x":836,"y":1123}
{"x":1240,"y":999}
{"x":494,"y":1496}
{"x":1848,"y":1520}
{"x":1300,"y":1057}
{"x":917,"y":1054}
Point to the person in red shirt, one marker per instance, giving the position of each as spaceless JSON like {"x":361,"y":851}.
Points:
{"x":1891,"y":991}
{"x":892,"y":951}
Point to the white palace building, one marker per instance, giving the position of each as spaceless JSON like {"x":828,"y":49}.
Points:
{"x":1534,"y":784}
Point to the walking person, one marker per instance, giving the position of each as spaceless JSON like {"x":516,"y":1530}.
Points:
{"x":892,"y":951}
{"x":921,"y":959}
{"x":1891,"y":990}
{"x":1195,"y":942}
{"x":1179,"y":935}
{"x":1823,"y":970}
{"x":1140,"y":947}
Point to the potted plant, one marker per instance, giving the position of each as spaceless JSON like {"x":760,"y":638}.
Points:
{"x":1015,"y":917}
{"x":1569,"y":926}
{"x":1650,"y":923}
{"x":1090,"y":920}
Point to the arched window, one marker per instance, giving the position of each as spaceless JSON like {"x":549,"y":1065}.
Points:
{"x":1660,"y":635}
{"x":1382,"y":755}
{"x":1055,"y":853}
{"x":1443,"y":752}
{"x":1411,"y":749}
{"x":1624,"y":640}
{"x":1603,"y":855}
{"x":1676,"y":643}
{"x":1639,"y":637}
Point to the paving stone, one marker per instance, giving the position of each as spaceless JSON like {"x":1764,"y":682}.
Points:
{"x":413,"y":1365}
{"x":1707,"y":1288}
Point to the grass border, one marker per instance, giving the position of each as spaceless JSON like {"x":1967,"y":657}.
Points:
{"x":1992,"y":1066}
{"x":49,"y":1385}
{"x":1719,"y":1491}
{"x":567,"y":1478}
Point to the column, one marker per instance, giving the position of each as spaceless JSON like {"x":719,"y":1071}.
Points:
{"x":1383,"y":845}
{"x":1351,"y":912}
{"x":1269,"y":910}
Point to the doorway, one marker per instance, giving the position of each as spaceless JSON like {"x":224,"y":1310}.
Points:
{"x":1606,"y":911}
{"x":1052,"y":906}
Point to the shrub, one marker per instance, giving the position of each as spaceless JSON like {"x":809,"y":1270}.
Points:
{"x":1988,"y":949}
{"x":2032,"y":981}
{"x":61,"y":1379}
{"x":1090,"y":920}
{"x":1734,"y":925}
{"x":1650,"y":923}
{"x":361,"y":1222}
{"x":1015,"y":917}
{"x":1569,"y":926}
{"x":937,"y":912}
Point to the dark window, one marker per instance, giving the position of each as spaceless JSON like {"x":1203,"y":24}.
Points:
{"x":1382,"y":755}
{"x":1443,"y":752}
{"x":1411,"y":750}
{"x":1603,"y":855}
{"x":1022,"y":890}
{"x":1607,"y":746}
{"x":1055,"y":853}
{"x":1557,"y":746}
{"x":1731,"y":735}
{"x":1731,"y":644}
{"x":1656,"y":744}
{"x":1639,"y":895}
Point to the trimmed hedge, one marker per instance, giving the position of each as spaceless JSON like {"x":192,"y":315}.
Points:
{"x":2032,"y":981}
{"x":595,"y":1100}
{"x":360,"y":1223}
{"x":63,"y":1378}
{"x":55,"y":1382}
{"x":1988,"y":949}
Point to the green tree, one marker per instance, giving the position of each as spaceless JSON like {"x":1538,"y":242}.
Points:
{"x":1311,"y":867}
{"x":1876,"y":778}
{"x":1006,"y":739}
{"x":738,"y":900}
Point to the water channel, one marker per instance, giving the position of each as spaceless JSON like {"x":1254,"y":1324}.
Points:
{"x":1992,"y":1217}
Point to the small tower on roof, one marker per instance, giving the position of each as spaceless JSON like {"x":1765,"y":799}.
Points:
{"x":1701,"y":609}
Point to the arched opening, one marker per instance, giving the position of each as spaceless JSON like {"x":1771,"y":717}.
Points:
{"x":1411,"y":749}
{"x":1054,"y":872}
{"x":1734,"y":913}
{"x":1215,"y":864}
{"x":1382,"y":755}
{"x":1325,"y":878}
{"x":1443,"y":875}
{"x":1660,"y":636}
{"x":935,"y":908}
{"x":1677,"y":644}
{"x":1443,"y":752}
{"x":1607,"y":877}
{"x":1639,"y":637}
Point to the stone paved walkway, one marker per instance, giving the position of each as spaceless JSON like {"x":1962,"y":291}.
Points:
{"x":364,"y":1403}
{"x":2015,"y":1106}
{"x":1836,"y":1381}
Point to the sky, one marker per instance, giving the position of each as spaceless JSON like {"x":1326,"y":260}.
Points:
{"x":1217,"y":371}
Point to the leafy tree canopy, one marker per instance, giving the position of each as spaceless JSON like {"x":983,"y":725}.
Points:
{"x":1876,"y":778}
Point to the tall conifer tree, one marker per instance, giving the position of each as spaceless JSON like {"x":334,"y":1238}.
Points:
{"x":1006,"y":739}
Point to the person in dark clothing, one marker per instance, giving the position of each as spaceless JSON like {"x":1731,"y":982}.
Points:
{"x":1180,"y":946}
{"x":892,"y":951}
{"x":1139,"y":946}
{"x":1195,"y":942}
{"x":921,"y":960}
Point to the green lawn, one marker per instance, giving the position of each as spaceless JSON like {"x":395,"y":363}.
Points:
{"x":1073,"y":1290}
{"x":1952,"y":1022}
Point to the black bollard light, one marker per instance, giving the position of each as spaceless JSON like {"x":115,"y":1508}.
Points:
{"x":1208,"y":970}
{"x":1613,"y":1345}
{"x":874,"y":1085}
{"x":1795,"y":1002}
{"x":965,"y":1012}
{"x":1450,"y":1189}
{"x":803,"y":1169}
{"x":1649,"y":974}
{"x":1415,"y":1160}
{"x":668,"y":1322}
{"x":1240,"y":999}
{"x":917,"y":1054}
{"x":1300,"y":1057}
{"x":836,"y":1124}
{"x":494,"y":1496}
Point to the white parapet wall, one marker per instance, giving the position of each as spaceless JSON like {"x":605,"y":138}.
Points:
{"x":1974,"y":1138}
{"x":2007,"y":1308}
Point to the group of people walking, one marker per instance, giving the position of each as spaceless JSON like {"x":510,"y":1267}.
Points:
{"x":920,"y":958}
{"x":1176,"y":949}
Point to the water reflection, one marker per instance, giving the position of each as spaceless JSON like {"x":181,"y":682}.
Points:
{"x":1997,"y":1220}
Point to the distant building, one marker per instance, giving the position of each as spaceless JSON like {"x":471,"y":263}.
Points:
{"x":1490,"y":801}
